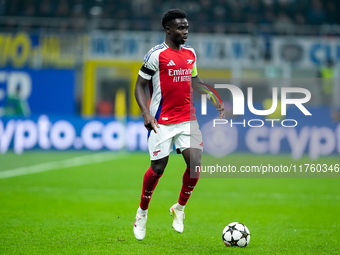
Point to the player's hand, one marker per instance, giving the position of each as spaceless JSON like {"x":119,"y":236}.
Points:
{"x":220,"y":108}
{"x":150,"y":122}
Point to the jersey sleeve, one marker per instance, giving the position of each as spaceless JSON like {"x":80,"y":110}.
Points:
{"x":150,"y":65}
{"x":194,"y":71}
{"x":194,"y":66}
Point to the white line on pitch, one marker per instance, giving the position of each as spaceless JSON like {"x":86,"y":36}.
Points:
{"x":66,"y":163}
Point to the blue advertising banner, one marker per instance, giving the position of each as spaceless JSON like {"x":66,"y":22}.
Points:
{"x":42,"y":91}
{"x":315,"y":136}
{"x":52,"y":132}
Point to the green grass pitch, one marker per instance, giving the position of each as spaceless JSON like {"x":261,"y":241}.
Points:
{"x":90,"y":209}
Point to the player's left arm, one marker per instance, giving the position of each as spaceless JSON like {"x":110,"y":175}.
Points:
{"x":199,"y":86}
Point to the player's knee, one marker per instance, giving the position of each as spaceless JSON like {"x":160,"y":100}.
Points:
{"x":159,"y":165}
{"x":192,"y":157}
{"x":158,"y":169}
{"x":195,"y":161}
{"x":195,"y":164}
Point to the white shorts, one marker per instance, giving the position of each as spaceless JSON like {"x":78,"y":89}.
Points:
{"x":184,"y":135}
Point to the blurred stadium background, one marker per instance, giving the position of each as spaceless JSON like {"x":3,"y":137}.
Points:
{"x":67,"y":75}
{"x":68,"y":67}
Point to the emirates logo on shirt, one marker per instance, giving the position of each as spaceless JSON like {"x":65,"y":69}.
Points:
{"x":180,"y":75}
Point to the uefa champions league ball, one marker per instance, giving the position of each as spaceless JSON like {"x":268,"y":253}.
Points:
{"x":236,"y":234}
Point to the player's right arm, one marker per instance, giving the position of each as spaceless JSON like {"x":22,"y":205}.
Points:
{"x":145,"y":74}
{"x":150,"y":122}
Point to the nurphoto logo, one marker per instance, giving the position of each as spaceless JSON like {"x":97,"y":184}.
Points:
{"x":238,"y":105}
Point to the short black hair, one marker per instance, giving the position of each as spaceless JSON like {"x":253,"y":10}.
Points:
{"x":172,"y":14}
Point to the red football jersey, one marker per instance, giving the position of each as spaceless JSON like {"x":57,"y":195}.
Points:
{"x":170,"y":72}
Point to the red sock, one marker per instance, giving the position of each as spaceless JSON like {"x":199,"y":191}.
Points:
{"x":149,"y":184}
{"x":189,"y":183}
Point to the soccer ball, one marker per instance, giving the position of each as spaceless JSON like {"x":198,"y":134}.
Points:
{"x":236,"y":234}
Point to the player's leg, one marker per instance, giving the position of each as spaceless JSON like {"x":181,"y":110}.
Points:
{"x":191,"y":175}
{"x":159,"y":149}
{"x":150,"y":181}
{"x":160,"y":145}
{"x":191,"y":145}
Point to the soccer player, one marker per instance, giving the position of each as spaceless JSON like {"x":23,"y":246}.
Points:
{"x":170,"y":71}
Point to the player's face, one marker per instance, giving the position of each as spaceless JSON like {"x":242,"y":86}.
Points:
{"x":178,"y":31}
